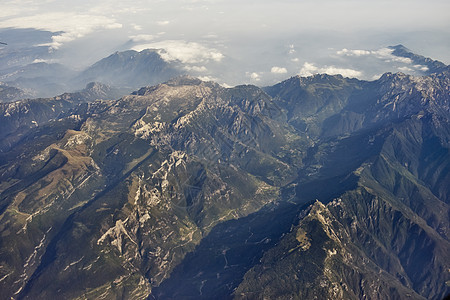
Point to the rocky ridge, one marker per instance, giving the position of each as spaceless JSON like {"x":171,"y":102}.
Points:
{"x":191,"y":190}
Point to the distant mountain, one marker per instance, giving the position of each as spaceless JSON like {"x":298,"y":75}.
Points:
{"x":130,"y":69}
{"x":431,"y":66}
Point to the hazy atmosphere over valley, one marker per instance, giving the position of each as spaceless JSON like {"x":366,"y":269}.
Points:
{"x":259,"y":42}
{"x":212,"y":149}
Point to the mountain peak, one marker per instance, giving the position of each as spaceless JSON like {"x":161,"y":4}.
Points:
{"x":399,"y":47}
{"x":97,"y":86}
{"x":428,"y":65}
{"x":130,"y":69}
{"x":183,"y":80}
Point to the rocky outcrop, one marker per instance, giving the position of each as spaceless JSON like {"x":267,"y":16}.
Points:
{"x":187,"y":189}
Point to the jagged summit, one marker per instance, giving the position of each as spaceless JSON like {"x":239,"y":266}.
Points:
{"x":320,"y":76}
{"x":399,"y":47}
{"x":184,"y":80}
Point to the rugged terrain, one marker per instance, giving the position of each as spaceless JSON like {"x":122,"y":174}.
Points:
{"x":322,"y":187}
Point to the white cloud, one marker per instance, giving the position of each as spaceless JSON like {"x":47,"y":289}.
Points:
{"x":12,"y":8}
{"x":199,"y":69}
{"x":8,"y":11}
{"x":310,"y":69}
{"x":207,"y":78}
{"x":376,"y":76}
{"x":142,"y":38}
{"x":137,"y":27}
{"x":225,"y":85}
{"x":291,"y":49}
{"x":186,"y":52}
{"x":421,"y":68}
{"x":111,"y":7}
{"x":278,"y":70}
{"x":347,"y":52}
{"x":211,"y":36}
{"x":49,"y":61}
{"x":163,"y":23}
{"x":405,"y":69}
{"x":71,"y":25}
{"x":404,"y":60}
{"x":383,"y":54}
{"x":253,"y":75}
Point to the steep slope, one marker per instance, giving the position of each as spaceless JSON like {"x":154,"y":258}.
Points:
{"x":190,"y":190}
{"x":388,"y":237}
{"x":380,"y":170}
{"x":146,"y":177}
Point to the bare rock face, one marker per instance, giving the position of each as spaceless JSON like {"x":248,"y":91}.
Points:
{"x":321,"y":187}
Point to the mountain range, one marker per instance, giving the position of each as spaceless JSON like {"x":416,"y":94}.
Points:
{"x":320,"y":187}
{"x":129,"y":70}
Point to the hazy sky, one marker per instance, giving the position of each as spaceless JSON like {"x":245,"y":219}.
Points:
{"x":256,"y":41}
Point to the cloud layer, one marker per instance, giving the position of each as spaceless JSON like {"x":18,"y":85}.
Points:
{"x":278,"y":70}
{"x":260,"y":42}
{"x":383,"y":53}
{"x":70,"y":26}
{"x":183,"y":51}
{"x":310,"y":69}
